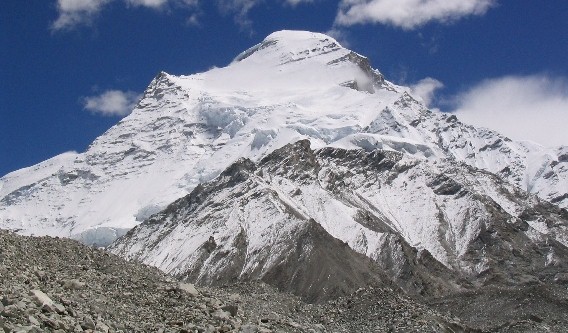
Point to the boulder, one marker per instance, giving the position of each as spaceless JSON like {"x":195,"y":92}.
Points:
{"x":188,"y":288}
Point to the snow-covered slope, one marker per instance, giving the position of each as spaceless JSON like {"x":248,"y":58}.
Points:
{"x":187,"y":129}
{"x":432,"y":227}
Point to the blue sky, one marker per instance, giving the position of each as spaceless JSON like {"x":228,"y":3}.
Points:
{"x":70,"y":69}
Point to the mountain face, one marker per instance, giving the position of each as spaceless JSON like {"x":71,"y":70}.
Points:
{"x":301,"y":165}
{"x":186,"y":130}
{"x":429,"y":226}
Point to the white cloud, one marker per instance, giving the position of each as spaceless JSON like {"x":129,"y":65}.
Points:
{"x":75,"y":12}
{"x":193,"y":20}
{"x":147,"y":3}
{"x":112,"y":103}
{"x":426,"y":89}
{"x":408,"y":14}
{"x":340,"y":35}
{"x":296,"y":2}
{"x":521,"y":107}
{"x":240,"y":10}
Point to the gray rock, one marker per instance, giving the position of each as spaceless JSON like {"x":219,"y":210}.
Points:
{"x":188,"y":288}
{"x":248,"y":328}
{"x":41,"y":299}
{"x":88,"y":324}
{"x":7,"y":301}
{"x":102,"y":327}
{"x":295,"y":324}
{"x":33,"y":321}
{"x":232,"y":309}
{"x":10,"y":311}
{"x":41,"y":275}
{"x":73,"y":284}
{"x":221,"y":314}
{"x":52,"y":323}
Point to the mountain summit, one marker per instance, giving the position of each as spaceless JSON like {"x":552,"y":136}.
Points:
{"x":323,"y":54}
{"x":186,"y":130}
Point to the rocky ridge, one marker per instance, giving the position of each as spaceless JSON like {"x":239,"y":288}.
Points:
{"x":465,"y":228}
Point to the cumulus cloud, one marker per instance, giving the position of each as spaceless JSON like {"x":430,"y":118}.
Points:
{"x":296,"y":2}
{"x":193,"y":20}
{"x":73,"y":13}
{"x":408,"y":14}
{"x":426,"y":89}
{"x":112,"y":103}
{"x":238,"y":8}
{"x":241,"y":8}
{"x":521,"y":107}
{"x":147,"y":3}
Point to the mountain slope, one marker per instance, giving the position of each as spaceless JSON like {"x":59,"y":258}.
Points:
{"x":431,"y":227}
{"x":239,"y":229}
{"x":186,"y":130}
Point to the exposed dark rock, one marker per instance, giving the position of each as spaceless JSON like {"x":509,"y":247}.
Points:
{"x":320,"y":267}
{"x":444,"y":185}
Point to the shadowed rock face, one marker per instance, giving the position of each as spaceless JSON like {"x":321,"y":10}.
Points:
{"x":322,"y":223}
{"x":320,"y":267}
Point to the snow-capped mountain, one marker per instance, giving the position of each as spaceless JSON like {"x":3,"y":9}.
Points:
{"x":292,"y":86}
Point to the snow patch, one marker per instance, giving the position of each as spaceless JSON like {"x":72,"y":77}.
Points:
{"x":370,"y":142}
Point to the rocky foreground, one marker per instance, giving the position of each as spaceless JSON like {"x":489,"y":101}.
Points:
{"x":58,"y":285}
